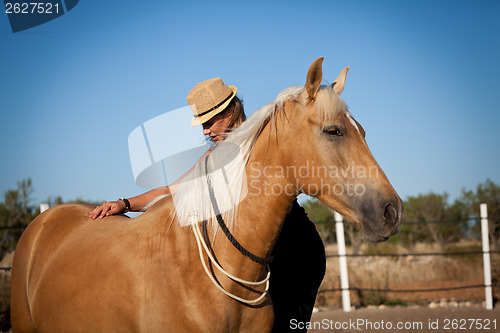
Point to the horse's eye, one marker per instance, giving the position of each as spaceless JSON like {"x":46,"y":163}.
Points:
{"x":333,"y":131}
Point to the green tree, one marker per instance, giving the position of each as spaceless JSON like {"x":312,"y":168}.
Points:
{"x":489,"y":193}
{"x":432,"y":208}
{"x":15,"y":213}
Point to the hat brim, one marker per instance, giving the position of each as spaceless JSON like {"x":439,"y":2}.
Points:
{"x":200,"y":120}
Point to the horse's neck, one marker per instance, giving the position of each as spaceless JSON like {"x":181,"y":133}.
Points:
{"x":262,"y":213}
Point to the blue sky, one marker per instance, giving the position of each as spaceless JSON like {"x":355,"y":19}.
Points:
{"x":424,"y":83}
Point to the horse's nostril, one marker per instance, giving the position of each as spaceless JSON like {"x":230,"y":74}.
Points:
{"x":390,"y":214}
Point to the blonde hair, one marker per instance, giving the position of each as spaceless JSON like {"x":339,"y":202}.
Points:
{"x":237,"y":113}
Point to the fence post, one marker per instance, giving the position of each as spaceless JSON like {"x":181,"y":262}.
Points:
{"x":486,"y":256}
{"x":344,"y":279}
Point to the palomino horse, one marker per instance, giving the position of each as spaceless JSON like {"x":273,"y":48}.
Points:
{"x":143,"y":274}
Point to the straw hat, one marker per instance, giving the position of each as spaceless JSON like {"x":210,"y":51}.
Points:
{"x":209,"y":98}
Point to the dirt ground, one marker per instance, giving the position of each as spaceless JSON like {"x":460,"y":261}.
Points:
{"x":407,"y":319}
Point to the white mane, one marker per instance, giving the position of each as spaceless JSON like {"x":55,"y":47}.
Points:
{"x":226,"y":170}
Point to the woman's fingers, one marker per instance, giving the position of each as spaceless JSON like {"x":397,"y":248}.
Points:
{"x":102,"y":210}
{"x":107,"y":208}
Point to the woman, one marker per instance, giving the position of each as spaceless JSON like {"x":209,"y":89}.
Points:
{"x":299,"y":256}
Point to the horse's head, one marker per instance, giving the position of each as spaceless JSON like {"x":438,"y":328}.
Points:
{"x":333,"y":161}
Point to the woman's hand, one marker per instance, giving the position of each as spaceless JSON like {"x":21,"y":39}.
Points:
{"x":108,"y":208}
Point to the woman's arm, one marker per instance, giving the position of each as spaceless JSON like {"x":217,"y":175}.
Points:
{"x":139,"y":202}
{"x":136,"y":203}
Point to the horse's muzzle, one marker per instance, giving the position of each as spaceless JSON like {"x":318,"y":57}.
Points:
{"x":385,"y":222}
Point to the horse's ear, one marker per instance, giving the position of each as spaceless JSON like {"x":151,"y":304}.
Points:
{"x":314,"y":78}
{"x":338,"y":84}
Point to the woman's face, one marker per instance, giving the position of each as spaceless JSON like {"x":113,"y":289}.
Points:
{"x":216,"y":126}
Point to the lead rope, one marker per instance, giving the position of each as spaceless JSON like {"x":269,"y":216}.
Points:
{"x":202,"y":244}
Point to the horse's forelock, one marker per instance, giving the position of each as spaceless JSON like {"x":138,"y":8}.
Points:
{"x":329,"y":106}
